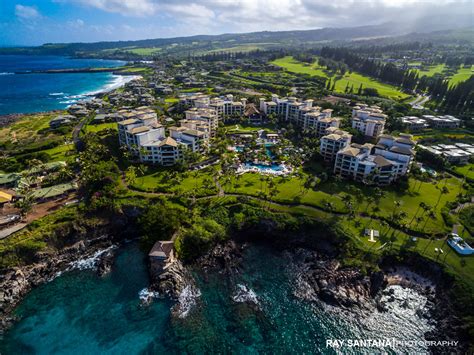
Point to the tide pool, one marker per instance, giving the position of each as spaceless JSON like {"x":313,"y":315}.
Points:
{"x":35,"y":92}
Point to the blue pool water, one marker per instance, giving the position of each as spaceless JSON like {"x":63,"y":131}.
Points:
{"x":261,"y":167}
{"x":25,"y":93}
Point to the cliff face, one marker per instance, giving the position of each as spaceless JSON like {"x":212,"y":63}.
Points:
{"x":82,"y":244}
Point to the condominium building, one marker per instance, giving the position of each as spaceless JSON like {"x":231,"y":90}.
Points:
{"x":334,"y":141}
{"x":195,"y":140}
{"x":226,"y":106}
{"x":134,"y":133}
{"x":369,"y":120}
{"x":380,"y":164}
{"x":301,"y":113}
{"x":414,"y":123}
{"x":445,"y":121}
{"x":143,"y":113}
{"x":455,"y":153}
{"x":206,"y":115}
{"x":145,"y":138}
{"x":197,"y":99}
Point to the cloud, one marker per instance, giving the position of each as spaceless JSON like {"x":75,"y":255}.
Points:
{"x":26,"y":12}
{"x":124,"y":7}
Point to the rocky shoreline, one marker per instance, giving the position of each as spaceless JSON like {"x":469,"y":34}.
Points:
{"x":16,"y":282}
{"x":321,"y":278}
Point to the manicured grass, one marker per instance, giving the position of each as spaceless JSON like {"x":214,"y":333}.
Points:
{"x":239,"y":128}
{"x":466,"y":170}
{"x":462,"y":75}
{"x":61,"y":152}
{"x":351,"y":79}
{"x":144,"y":51}
{"x":432,"y":70}
{"x":101,"y":126}
{"x":292,"y":191}
{"x":198,"y":183}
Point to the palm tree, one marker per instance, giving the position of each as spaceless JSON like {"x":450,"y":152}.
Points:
{"x":444,"y":191}
{"x":396,"y":205}
{"x":420,"y":205}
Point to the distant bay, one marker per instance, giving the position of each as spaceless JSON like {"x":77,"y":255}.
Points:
{"x":36,"y":92}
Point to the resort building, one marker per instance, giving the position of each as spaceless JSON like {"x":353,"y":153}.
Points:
{"x":197,"y":99}
{"x":456,"y":153}
{"x":445,"y":121}
{"x":369,"y":120}
{"x":334,"y":141}
{"x":301,"y":113}
{"x":380,"y":164}
{"x":207,"y":116}
{"x":227,"y":107}
{"x":146,"y":138}
{"x":196,"y":141}
{"x":143,"y":113}
{"x":414,"y":123}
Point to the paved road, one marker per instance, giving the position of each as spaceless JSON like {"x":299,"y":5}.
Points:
{"x":10,"y":230}
{"x":77,"y":130}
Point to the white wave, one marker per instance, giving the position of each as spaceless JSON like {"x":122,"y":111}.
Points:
{"x":146,"y":295}
{"x":245,"y":294}
{"x":187,"y":300}
{"x":68,"y":102}
{"x":6,"y":73}
{"x":91,"y":262}
{"x":116,"y":82}
{"x":57,"y":93}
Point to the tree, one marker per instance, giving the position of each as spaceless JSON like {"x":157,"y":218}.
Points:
{"x":131,"y":175}
{"x":159,"y":222}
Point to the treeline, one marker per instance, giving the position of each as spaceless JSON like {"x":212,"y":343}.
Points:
{"x":456,"y":98}
{"x":227,"y":55}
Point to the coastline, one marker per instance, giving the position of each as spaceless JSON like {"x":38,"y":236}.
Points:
{"x":117,"y":81}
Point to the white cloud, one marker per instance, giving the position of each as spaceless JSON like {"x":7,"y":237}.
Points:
{"x":26,"y":12}
{"x":217,"y":16}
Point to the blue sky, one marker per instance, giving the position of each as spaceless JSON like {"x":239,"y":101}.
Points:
{"x":33,"y":22}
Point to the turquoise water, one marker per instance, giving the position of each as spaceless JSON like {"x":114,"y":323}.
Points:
{"x":81,"y":313}
{"x":26,"y":93}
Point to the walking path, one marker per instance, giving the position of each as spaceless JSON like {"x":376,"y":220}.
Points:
{"x":10,"y":230}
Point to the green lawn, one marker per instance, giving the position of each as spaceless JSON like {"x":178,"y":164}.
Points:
{"x":144,"y":51}
{"x":239,"y":128}
{"x":198,"y":183}
{"x":61,"y":152}
{"x":462,"y":74}
{"x":466,"y":170}
{"x":101,"y":126}
{"x":292,"y":191}
{"x":351,"y":79}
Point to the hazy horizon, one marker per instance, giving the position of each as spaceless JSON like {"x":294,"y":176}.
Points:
{"x":29,"y":23}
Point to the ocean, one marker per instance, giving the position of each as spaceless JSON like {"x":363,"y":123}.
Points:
{"x":35,"y":92}
{"x":252,"y":312}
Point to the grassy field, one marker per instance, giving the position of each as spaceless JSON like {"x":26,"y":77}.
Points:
{"x":199,"y":183}
{"x":27,"y":129}
{"x":100,"y":127}
{"x":144,"y":51}
{"x":351,"y":79}
{"x":466,"y":170}
{"x":61,"y":152}
{"x":292,"y":191}
{"x":462,"y":74}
